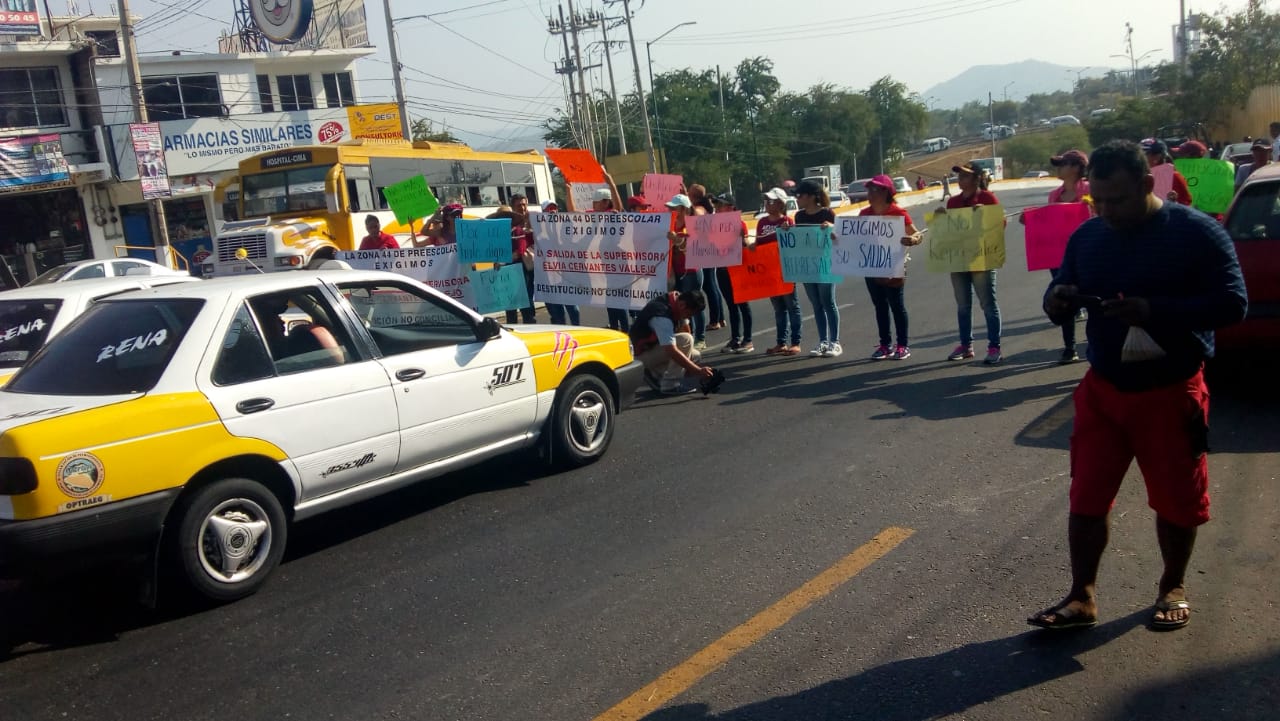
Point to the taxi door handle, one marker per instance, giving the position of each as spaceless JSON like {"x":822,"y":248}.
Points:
{"x":253,"y":405}
{"x":409,"y":374}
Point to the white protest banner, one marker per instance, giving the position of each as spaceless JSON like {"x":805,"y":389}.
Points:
{"x":715,"y":241}
{"x":869,"y":246}
{"x":582,"y":193}
{"x":435,"y":265}
{"x":615,"y":260}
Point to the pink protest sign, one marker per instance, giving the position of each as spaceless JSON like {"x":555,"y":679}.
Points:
{"x":659,"y":188}
{"x":1163,"y":174}
{"x":715,"y":241}
{"x":1048,"y":230}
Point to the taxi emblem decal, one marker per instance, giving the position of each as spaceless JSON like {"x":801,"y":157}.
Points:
{"x":79,"y":475}
{"x":565,"y":349}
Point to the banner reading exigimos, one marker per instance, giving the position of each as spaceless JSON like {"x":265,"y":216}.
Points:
{"x":966,"y":239}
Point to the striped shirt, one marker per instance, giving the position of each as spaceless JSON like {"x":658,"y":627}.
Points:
{"x":1183,"y":263}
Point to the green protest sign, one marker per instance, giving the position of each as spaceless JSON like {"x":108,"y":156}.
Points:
{"x":1212,"y":182}
{"x":411,"y":199}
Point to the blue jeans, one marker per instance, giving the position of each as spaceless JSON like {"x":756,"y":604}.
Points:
{"x":822,"y":296}
{"x":786,"y":317}
{"x":739,"y":313}
{"x":887,"y":299}
{"x":692,"y":280}
{"x":619,"y":319}
{"x":715,"y":308}
{"x":982,"y":282}
{"x":559,"y":312}
{"x":1068,"y":329}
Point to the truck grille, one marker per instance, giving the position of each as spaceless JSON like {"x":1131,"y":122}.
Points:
{"x":255,"y":244}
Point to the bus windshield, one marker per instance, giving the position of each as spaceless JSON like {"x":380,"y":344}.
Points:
{"x":284,"y":191}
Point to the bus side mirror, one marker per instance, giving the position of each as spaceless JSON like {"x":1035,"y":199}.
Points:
{"x":331,"y":203}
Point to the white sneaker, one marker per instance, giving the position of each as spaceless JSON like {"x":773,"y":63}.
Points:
{"x":819,"y":349}
{"x":832,"y":350}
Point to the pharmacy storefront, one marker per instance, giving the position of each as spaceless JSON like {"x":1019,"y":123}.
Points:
{"x":202,"y":156}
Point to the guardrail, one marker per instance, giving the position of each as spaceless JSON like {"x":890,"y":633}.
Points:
{"x":176,"y":259}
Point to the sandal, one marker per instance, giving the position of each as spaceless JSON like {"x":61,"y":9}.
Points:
{"x":1164,"y":607}
{"x":1064,"y":616}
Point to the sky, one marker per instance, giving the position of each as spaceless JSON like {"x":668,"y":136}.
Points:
{"x":484,"y":69}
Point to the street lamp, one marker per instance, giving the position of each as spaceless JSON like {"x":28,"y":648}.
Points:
{"x":657,"y":120}
{"x":1006,"y":90}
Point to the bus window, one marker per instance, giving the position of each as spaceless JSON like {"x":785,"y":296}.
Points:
{"x":281,"y":191}
{"x":360,"y":194}
{"x":489,"y":195}
{"x":528,"y":191}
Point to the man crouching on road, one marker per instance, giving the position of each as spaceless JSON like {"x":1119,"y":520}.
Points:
{"x":1157,"y":278}
{"x":668,"y":356}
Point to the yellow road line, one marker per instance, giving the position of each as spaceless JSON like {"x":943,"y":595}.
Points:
{"x":679,"y":679}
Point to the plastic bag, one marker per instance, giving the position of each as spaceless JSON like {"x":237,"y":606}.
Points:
{"x":1140,"y":346}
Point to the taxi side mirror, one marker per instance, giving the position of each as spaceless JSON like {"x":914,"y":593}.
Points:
{"x":488,"y":329}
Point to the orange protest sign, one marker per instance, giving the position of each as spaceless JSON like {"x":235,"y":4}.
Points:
{"x":576,"y":165}
{"x":759,"y":276}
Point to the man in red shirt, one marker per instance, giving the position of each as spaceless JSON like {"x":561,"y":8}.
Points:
{"x":376,"y":239}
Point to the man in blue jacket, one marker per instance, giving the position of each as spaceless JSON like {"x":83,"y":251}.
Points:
{"x":1157,"y":278}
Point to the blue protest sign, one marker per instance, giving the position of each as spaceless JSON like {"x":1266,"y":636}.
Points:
{"x":484,"y":241}
{"x":500,"y":289}
{"x":806,"y":254}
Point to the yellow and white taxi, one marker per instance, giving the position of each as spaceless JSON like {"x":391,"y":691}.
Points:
{"x":30,"y":316}
{"x":191,"y":421}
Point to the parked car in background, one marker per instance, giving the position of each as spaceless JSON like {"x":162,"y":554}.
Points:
{"x":838,"y":198}
{"x":1253,"y":221}
{"x":934,"y":145}
{"x":108,"y":268}
{"x":1064,"y":120}
{"x":901,"y":184}
{"x":1036,"y":174}
{"x":1095,"y":114}
{"x":857,"y":190}
{"x":1238,"y":153}
{"x":184,"y":423}
{"x":32,"y":315}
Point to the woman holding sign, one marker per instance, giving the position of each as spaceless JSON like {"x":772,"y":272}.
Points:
{"x":815,"y":210}
{"x":889,"y":294}
{"x":974,"y":193}
{"x":1072,"y":166}
{"x":786,"y":308}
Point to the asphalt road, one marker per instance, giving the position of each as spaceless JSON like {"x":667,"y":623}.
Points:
{"x":825,"y":539}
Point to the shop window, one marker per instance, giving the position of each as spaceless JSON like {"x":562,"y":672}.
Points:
{"x":337,"y":90}
{"x":295,"y":92}
{"x":186,"y":218}
{"x":31,"y":98}
{"x":174,"y":97}
{"x":264,"y":94}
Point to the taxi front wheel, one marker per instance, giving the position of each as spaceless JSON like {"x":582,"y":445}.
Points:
{"x":230,"y":536}
{"x":581,"y":421}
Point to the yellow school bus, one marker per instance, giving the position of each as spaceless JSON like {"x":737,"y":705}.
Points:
{"x":305,"y":202}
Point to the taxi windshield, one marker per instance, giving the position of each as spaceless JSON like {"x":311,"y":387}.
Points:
{"x":24,"y":326}
{"x":284,"y":191}
{"x":115,"y":348}
{"x":1256,"y":213}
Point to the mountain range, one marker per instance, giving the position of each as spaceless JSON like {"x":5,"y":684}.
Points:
{"x":1018,"y":80}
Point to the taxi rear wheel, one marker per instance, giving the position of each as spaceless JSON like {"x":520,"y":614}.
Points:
{"x":581,"y":421}
{"x":229,"y":538}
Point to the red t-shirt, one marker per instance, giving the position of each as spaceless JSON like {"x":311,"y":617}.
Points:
{"x":521,"y":239}
{"x":1180,"y":188}
{"x":893,"y":210}
{"x":982,"y":197}
{"x":767,"y":228}
{"x":381,"y":242}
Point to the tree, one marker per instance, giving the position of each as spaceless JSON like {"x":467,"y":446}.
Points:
{"x":1238,"y":52}
{"x":1032,"y":152}
{"x":422,"y":129}
{"x":900,"y":119}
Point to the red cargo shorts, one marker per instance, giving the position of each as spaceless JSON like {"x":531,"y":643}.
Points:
{"x":1165,"y":428}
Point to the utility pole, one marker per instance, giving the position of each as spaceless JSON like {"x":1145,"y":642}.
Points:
{"x":395,"y":73}
{"x":130,"y":50}
{"x":724,"y":128}
{"x":1182,"y":34}
{"x":644,"y":106}
{"x":578,"y":22}
{"x":568,"y":68}
{"x":1133,"y":64}
{"x":991,"y":111}
{"x":613,"y":87}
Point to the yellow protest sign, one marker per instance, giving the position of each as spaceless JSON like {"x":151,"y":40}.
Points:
{"x":966,"y":239}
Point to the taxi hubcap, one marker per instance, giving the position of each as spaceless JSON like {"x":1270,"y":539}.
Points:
{"x":588,"y":421}
{"x":235,"y":540}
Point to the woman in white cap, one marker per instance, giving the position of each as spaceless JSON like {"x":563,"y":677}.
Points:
{"x":786,"y":308}
{"x":686,"y":280}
